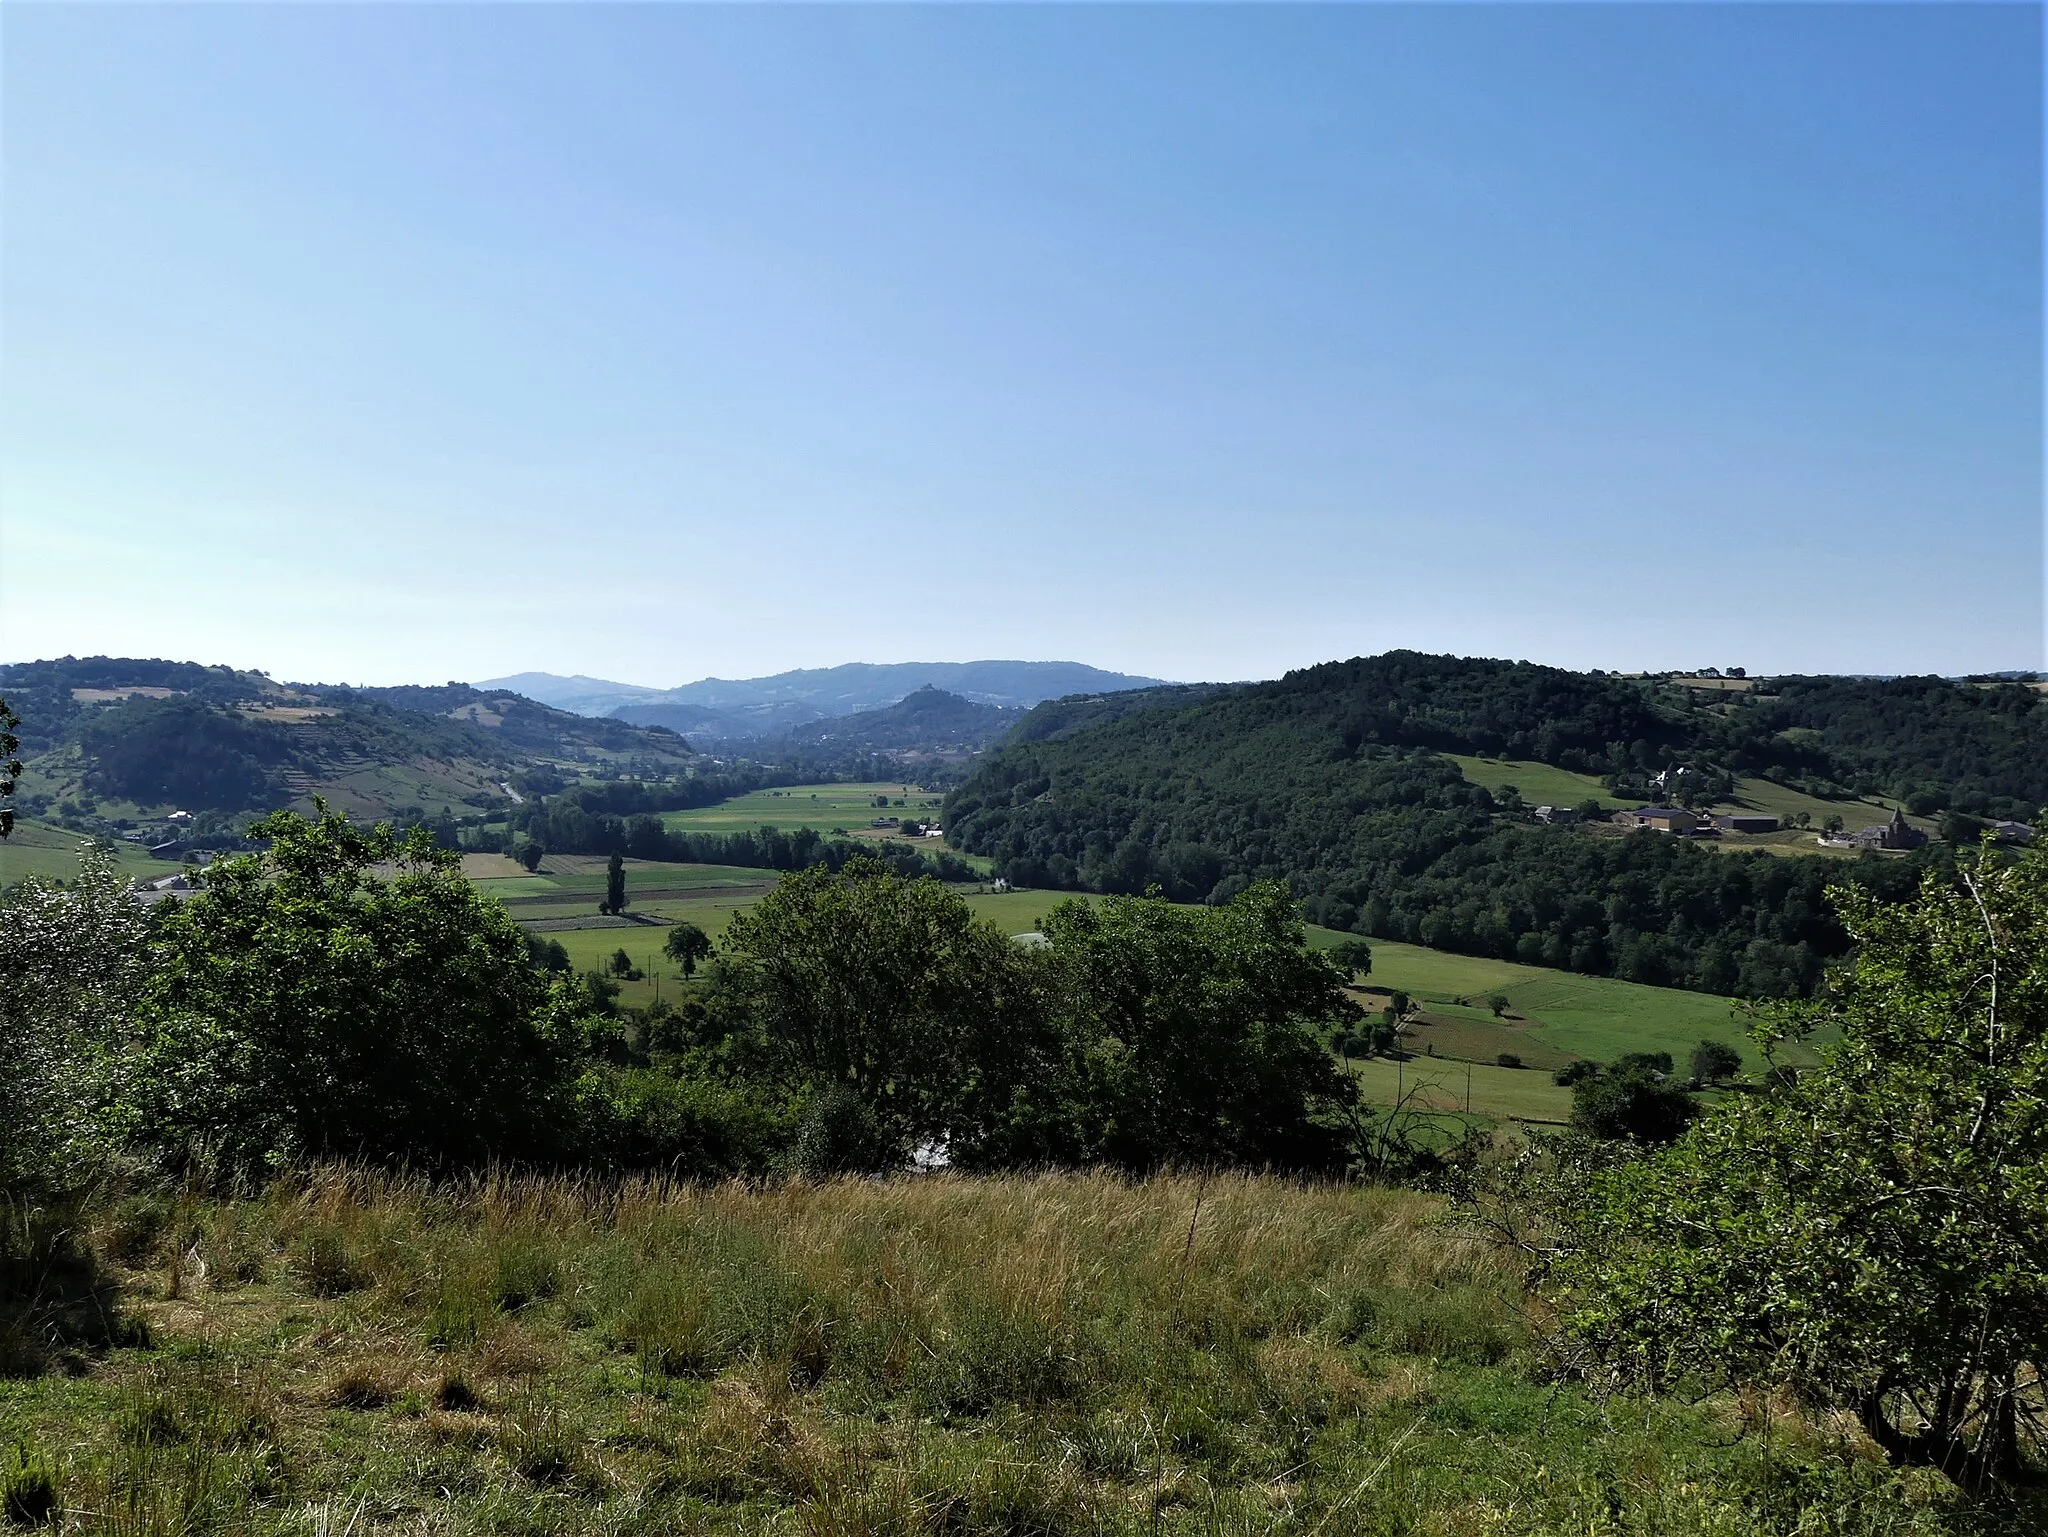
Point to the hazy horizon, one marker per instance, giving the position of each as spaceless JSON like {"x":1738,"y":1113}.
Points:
{"x":399,"y":344}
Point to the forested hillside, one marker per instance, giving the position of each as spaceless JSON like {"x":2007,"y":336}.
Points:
{"x":112,"y":737}
{"x":929,"y":719}
{"x":1328,"y":778}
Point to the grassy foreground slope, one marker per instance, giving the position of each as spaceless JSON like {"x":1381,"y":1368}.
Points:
{"x":1048,"y":1356}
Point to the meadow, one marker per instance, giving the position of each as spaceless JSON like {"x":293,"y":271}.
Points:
{"x":50,"y":852}
{"x":351,"y":1353}
{"x":1537,"y":783}
{"x":1582,"y":1016}
{"x":823,"y":807}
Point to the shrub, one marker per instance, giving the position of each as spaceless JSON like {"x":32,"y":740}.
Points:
{"x":1508,"y":1059}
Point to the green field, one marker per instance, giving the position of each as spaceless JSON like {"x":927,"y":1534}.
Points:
{"x":1538,"y":783}
{"x":1585,"y":1016}
{"x":823,"y":807}
{"x":41,"y":849}
{"x":1480,"y":1088}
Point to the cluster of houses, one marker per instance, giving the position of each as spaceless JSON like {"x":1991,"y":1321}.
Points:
{"x":164,"y":837}
{"x":1897,"y":833}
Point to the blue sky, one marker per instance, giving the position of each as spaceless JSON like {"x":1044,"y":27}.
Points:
{"x":385,"y":343}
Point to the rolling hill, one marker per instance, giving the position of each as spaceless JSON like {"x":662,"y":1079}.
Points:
{"x":1338,"y":779}
{"x":773,"y":706}
{"x":110,"y":743}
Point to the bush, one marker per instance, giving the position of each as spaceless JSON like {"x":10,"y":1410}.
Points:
{"x":1633,"y":1100}
{"x":305,"y":1005}
{"x":1508,"y":1059}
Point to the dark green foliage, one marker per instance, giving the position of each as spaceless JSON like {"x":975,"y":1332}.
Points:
{"x":889,"y":987}
{"x":1354,"y":956}
{"x":568,"y":824}
{"x":685,"y":1117}
{"x":28,"y":1490}
{"x":10,"y":766}
{"x":615,"y":884}
{"x":184,"y":753}
{"x":55,"y":1299}
{"x":686,"y":945}
{"x":303,"y":1006}
{"x":1714,"y":1062}
{"x":840,"y":1134}
{"x":1979,"y":747}
{"x":1508,"y":1059}
{"x":546,"y":954}
{"x":1190,"y":1037}
{"x":1634,"y":1098}
{"x":1319,"y":780}
{"x":1869,"y":1234}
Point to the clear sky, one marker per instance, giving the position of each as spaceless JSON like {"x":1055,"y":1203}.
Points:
{"x":388,"y":343}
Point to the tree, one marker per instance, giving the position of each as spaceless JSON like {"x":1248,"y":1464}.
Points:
{"x":622,"y":964}
{"x":1498,"y":1003}
{"x":1355,"y":956}
{"x":71,"y":961}
{"x":1868,"y":1234}
{"x":10,"y":765}
{"x":1194,"y":1033}
{"x":530,"y":854}
{"x":888,"y":987}
{"x":1714,"y":1062}
{"x":615,"y":883}
{"x":686,"y":945}
{"x":305,"y":1005}
{"x":1634,"y":1098}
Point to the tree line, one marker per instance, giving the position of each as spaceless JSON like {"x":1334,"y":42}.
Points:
{"x":566,"y":824}
{"x":1393,"y":842}
{"x":345,"y":992}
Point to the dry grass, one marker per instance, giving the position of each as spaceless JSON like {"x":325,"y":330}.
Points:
{"x":1066,"y":1354}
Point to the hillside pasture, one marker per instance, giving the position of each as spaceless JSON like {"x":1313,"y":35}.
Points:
{"x":50,"y":852}
{"x":1538,"y":783}
{"x":1482,"y":1090}
{"x":823,"y":807}
{"x":1565,"y":1012}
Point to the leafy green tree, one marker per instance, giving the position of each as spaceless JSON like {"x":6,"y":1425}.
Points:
{"x":615,"y":884}
{"x":686,"y":945}
{"x":1498,"y":1003}
{"x":1355,"y":956}
{"x":530,"y":854}
{"x":1633,"y":1098}
{"x":1193,"y":1034}
{"x":306,"y":1004}
{"x":72,"y":959}
{"x":888,"y":987}
{"x":1871,"y":1234}
{"x":1714,"y":1062}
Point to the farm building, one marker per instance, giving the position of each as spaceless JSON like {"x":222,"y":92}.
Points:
{"x":1559,"y":815}
{"x":1898,"y":833}
{"x":2012,"y":832}
{"x":1746,"y":822}
{"x":1663,"y":819}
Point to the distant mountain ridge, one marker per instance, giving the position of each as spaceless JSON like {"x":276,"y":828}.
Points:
{"x":776,"y":705}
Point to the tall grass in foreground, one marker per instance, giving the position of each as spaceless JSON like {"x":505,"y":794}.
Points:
{"x":351,"y":1352}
